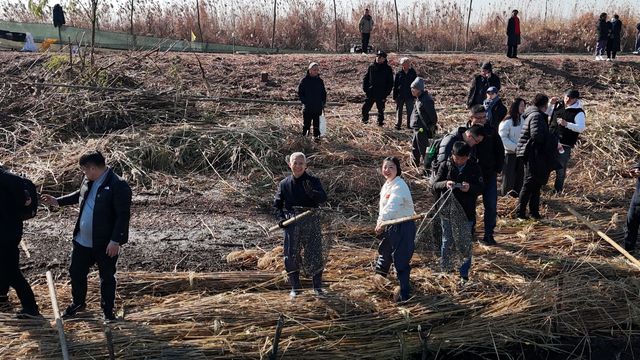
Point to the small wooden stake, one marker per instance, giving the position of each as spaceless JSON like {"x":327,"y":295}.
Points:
{"x":604,"y":236}
{"x":56,"y":315}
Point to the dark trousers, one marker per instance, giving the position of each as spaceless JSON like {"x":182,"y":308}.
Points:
{"x":82,"y":259}
{"x":637,"y":42}
{"x":561,"y":173}
{"x":420,"y":144}
{"x":365,"y":42}
{"x":308,"y":118}
{"x":292,"y":257}
{"x":633,"y":220}
{"x":611,"y":54}
{"x":397,"y":246}
{"x":490,"y":204}
{"x":512,"y":174}
{"x":401,"y":104}
{"x":512,"y":51}
{"x":601,"y":45}
{"x":530,"y":193}
{"x":11,"y":276}
{"x":368,"y":104}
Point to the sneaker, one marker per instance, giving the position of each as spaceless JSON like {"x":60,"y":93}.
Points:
{"x":109,"y":316}
{"x":72,"y":309}
{"x":319,"y":292}
{"x":522,"y":217}
{"x":28,"y":314}
{"x":464,"y":280}
{"x":294,"y":293}
{"x":489,"y":241}
{"x":608,"y":59}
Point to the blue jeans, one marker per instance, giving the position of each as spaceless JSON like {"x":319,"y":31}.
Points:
{"x":445,"y":250}
{"x":490,"y":204}
{"x":561,"y":173}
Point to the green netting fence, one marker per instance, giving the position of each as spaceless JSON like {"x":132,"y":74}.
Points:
{"x":124,"y":41}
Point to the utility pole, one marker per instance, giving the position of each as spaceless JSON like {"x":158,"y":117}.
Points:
{"x":273,"y":32}
{"x":395,"y":2}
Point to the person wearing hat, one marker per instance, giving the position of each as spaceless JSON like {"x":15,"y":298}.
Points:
{"x":496,"y":111}
{"x":402,"y":91}
{"x":513,"y":35}
{"x":423,"y":120}
{"x":568,"y":121}
{"x":480,"y":84}
{"x":377,"y":85}
{"x":365,"y":26}
{"x":313,"y":96}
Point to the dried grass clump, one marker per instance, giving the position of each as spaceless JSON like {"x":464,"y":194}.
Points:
{"x":272,"y":260}
{"x":245,"y":258}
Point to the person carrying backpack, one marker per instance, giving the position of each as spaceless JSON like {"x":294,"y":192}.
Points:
{"x":16,"y":203}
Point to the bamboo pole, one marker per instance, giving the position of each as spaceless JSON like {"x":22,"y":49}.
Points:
{"x":292,"y":220}
{"x":403,"y":219}
{"x":56,"y":315}
{"x":395,"y":2}
{"x":604,"y":236}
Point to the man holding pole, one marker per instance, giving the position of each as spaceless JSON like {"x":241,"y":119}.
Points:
{"x":301,"y":191}
{"x":102,"y":227}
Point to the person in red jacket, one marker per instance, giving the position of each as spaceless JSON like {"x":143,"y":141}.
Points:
{"x":513,"y":35}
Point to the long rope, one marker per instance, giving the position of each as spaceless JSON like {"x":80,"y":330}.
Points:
{"x":446,"y":195}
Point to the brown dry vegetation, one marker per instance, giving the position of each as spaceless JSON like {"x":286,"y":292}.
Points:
{"x":310,"y":25}
{"x":204,"y":173}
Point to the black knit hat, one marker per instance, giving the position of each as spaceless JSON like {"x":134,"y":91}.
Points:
{"x":381,"y":53}
{"x":487,"y":66}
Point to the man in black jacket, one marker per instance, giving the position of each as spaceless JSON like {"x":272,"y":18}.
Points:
{"x":613,"y":44}
{"x":496,"y":111}
{"x":473,"y":136}
{"x":459,"y":169}
{"x":102,"y":227}
{"x":539,"y":150}
{"x":490,"y":157}
{"x":402,"y":91}
{"x":513,"y":35}
{"x":423,"y":120}
{"x":602,"y":31}
{"x":377,"y":85}
{"x":313,"y":96}
{"x":480,"y":84}
{"x":13,"y":199}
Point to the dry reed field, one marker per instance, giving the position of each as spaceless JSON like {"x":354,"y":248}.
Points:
{"x":312,"y":24}
{"x":201,"y":277}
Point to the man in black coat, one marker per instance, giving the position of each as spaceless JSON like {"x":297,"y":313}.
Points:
{"x":402,"y":91}
{"x":490,"y":157}
{"x":602,"y":31}
{"x":613,"y":44}
{"x":313,"y":96}
{"x":423,"y":120}
{"x":13,"y":199}
{"x":513,"y":35}
{"x":472,"y":135}
{"x":102,"y":227}
{"x":480,"y":84}
{"x":538,"y":148}
{"x":377,"y":85}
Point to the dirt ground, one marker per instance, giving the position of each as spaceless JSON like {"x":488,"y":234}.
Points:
{"x":189,"y":220}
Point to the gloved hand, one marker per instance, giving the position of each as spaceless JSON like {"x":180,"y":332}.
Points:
{"x":281,"y":224}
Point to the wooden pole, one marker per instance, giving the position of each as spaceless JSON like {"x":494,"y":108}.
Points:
{"x":199,"y":25}
{"x":395,"y":2}
{"x":335,"y":21}
{"x":403,"y":219}
{"x":292,"y":220}
{"x":56,"y":315}
{"x":466,"y":38}
{"x":133,"y":36}
{"x":94,"y":20}
{"x":276,"y":338}
{"x":603,"y":236}
{"x":273,"y":31}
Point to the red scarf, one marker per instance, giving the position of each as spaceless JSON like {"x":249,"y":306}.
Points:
{"x":517,"y":25}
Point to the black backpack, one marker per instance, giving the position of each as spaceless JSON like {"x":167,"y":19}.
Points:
{"x":29,"y":212}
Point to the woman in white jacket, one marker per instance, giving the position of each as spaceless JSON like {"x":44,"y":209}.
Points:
{"x":509,"y":130}
{"x":397,"y":244}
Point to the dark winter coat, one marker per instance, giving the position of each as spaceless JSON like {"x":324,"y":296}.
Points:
{"x":402,"y":84}
{"x":602,"y":29}
{"x":490,"y":152}
{"x":58,"y":16}
{"x":111,"y":212}
{"x":305,"y":191}
{"x":513,"y":39}
{"x":471,"y":174}
{"x":498,"y":113}
{"x":614,"y":37}
{"x":378,"y":81}
{"x":537,"y":146}
{"x":12,"y":199}
{"x":446,"y":146}
{"x":479,"y":86}
{"x":424,"y":114}
{"x":312,"y":93}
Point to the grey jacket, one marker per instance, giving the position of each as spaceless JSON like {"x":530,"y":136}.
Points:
{"x":366,"y":24}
